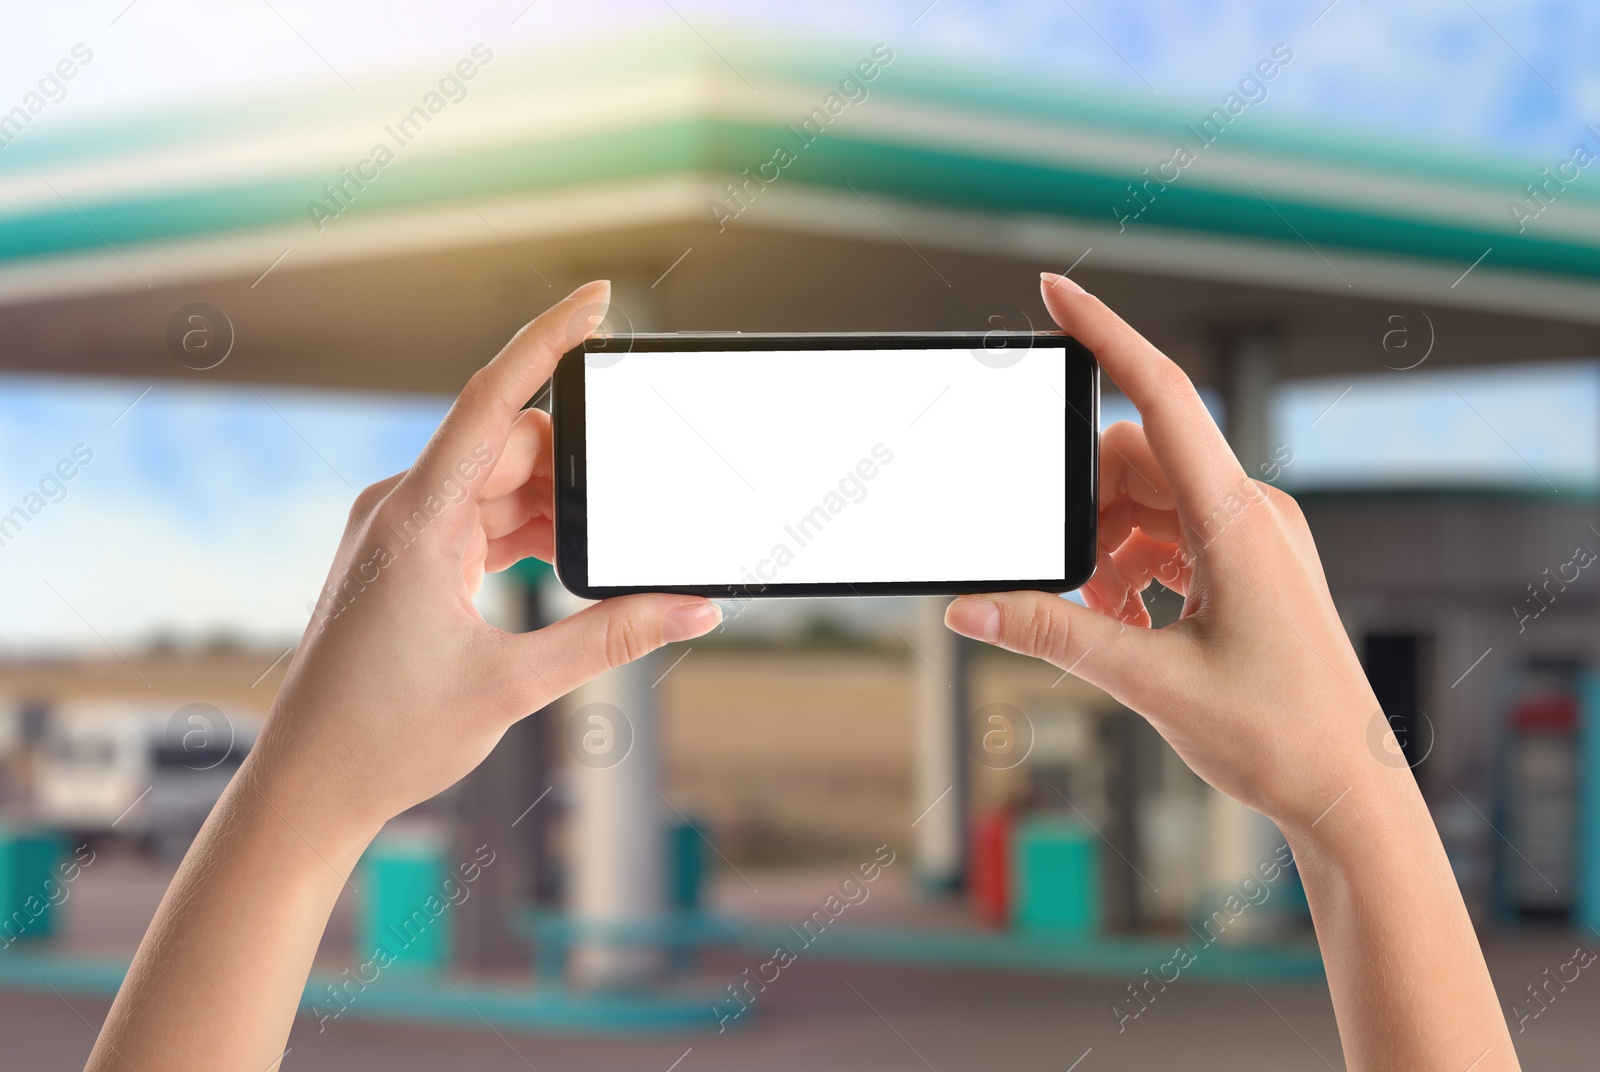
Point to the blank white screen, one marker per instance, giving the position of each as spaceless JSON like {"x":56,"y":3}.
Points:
{"x":825,"y":466}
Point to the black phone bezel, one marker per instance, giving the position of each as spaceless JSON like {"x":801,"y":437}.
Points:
{"x":568,"y":412}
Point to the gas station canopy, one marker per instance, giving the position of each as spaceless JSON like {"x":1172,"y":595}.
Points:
{"x":392,"y":238}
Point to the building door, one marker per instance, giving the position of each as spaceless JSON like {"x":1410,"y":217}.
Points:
{"x":1394,"y":665}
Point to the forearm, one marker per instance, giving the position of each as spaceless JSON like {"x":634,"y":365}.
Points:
{"x":1409,"y":984}
{"x":218,"y":977}
{"x":390,"y":699}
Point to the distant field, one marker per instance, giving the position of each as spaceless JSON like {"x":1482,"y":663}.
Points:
{"x":808,"y":755}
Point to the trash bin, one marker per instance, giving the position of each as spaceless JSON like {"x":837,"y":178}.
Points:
{"x":404,"y":907}
{"x":30,"y":888}
{"x":686,"y":860}
{"x":1056,"y":867}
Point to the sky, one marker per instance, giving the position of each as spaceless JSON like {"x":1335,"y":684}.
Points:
{"x":1493,"y":75}
{"x":216,"y":510}
{"x":202,"y":512}
{"x":1527,"y":426}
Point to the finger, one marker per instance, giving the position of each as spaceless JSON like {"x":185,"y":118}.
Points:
{"x":608,"y":634}
{"x":1144,"y":559}
{"x":1126,"y":662}
{"x":508,"y":513}
{"x":536,"y":539}
{"x":1122,"y":519}
{"x":474,"y":432}
{"x":526,"y":455}
{"x":472,"y":563}
{"x":1114,"y":594}
{"x":1191,"y":450}
{"x":1128,"y":468}
{"x":1133,"y":490}
{"x":1116,"y":521}
{"x":1160,"y":524}
{"x":1090,"y":600}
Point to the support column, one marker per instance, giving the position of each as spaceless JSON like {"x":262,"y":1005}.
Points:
{"x":1249,"y":373}
{"x":492,"y":807}
{"x":616,"y":857}
{"x":939,"y":785}
{"x":1241,"y":839}
{"x":1586,"y":904}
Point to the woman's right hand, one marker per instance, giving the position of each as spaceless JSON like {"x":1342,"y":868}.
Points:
{"x":1258,"y":689}
{"x":1256,"y":685}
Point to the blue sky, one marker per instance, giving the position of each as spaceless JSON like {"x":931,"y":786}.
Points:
{"x":1533,"y":426}
{"x":204,"y":510}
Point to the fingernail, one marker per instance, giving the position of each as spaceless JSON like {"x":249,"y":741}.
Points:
{"x":975,"y":618}
{"x":1051,"y":279}
{"x":690,"y":620}
{"x":592,"y":283}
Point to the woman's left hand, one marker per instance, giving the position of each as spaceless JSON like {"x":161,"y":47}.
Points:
{"x":400,"y":688}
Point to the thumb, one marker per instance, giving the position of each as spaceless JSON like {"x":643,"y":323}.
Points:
{"x":1101,"y":650}
{"x":605,"y":635}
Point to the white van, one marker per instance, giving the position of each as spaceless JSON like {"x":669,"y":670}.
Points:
{"x":143,"y":770}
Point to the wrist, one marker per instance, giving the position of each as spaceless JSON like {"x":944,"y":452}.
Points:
{"x":269,"y":801}
{"x":1379,"y":814}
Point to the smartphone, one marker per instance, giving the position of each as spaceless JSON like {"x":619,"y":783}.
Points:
{"x":736,"y":465}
